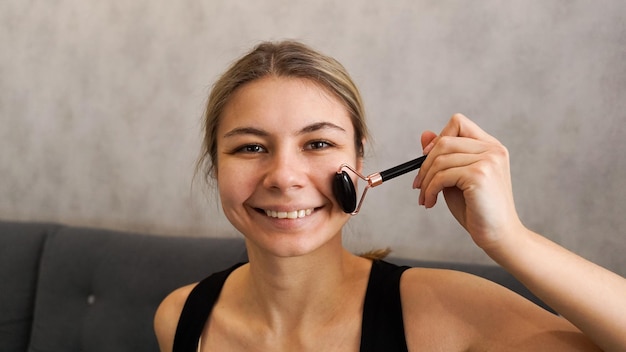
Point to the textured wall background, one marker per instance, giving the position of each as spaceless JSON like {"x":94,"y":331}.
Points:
{"x":100,"y":105}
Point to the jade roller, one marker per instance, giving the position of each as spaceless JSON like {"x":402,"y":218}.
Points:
{"x":345,"y":192}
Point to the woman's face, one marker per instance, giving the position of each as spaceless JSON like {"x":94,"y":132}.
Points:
{"x":279,"y":143}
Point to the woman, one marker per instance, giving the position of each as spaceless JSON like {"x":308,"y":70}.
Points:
{"x":278,"y":124}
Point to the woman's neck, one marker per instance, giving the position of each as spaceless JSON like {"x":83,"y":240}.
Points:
{"x":307,"y":290}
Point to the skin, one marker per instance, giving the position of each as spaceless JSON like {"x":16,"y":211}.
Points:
{"x":279,"y":143}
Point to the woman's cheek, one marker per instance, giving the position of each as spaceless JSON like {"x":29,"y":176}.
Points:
{"x":326,"y":170}
{"x":232,"y":181}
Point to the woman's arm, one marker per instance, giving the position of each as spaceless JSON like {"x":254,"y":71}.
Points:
{"x":471,"y":168}
{"x":589,"y":296}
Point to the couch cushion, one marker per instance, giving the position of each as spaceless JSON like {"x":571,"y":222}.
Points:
{"x":98,"y":289}
{"x":20,"y":250}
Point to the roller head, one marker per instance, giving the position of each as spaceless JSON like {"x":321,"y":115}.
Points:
{"x":344,"y":191}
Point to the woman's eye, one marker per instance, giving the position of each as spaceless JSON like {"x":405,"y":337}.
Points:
{"x":318,"y":145}
{"x":251,"y":148}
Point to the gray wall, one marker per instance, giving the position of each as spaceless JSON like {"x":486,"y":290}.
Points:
{"x":100,"y":105}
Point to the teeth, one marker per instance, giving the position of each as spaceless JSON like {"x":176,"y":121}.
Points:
{"x":289,"y":214}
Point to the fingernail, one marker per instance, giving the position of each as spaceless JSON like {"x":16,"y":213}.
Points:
{"x":429,"y":148}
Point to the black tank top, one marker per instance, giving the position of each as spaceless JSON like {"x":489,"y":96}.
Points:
{"x":382,"y":327}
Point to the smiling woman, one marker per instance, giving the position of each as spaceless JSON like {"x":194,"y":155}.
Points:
{"x":278,"y":124}
{"x":278,"y":142}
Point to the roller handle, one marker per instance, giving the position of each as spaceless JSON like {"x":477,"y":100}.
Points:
{"x":402,"y":168}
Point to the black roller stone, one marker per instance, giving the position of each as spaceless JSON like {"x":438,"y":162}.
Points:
{"x":344,"y":192}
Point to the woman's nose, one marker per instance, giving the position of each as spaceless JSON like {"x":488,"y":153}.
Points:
{"x":284,"y":172}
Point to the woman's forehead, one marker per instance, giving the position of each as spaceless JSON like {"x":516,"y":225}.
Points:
{"x":284,"y":104}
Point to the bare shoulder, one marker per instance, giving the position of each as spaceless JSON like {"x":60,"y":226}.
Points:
{"x":483,"y":315}
{"x":167,"y":315}
{"x":452,"y":285}
{"x":456,"y":292}
{"x":437,"y":301}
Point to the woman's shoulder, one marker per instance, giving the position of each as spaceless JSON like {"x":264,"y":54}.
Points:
{"x":173,"y":303}
{"x":419,"y":280}
{"x":427,"y":289}
{"x":438,"y":301}
{"x":169,"y":312}
{"x":167,"y":315}
{"x":480,"y":312}
{"x":469,"y":292}
{"x":458,"y":293}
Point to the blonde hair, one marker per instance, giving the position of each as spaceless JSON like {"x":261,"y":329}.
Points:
{"x":376,"y":254}
{"x":282,"y":59}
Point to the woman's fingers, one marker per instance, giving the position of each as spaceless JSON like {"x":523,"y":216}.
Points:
{"x":445,"y":170}
{"x":440,"y":153}
{"x":427,"y":140}
{"x":448,"y":142}
{"x":460,"y":126}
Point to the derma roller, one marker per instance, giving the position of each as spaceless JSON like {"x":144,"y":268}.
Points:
{"x":345,"y":192}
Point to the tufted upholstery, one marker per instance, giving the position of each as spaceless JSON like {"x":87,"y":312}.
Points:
{"x":21,"y":246}
{"x":83,"y":289}
{"x":77,"y":289}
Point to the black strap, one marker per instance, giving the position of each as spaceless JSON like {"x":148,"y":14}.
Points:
{"x":382,"y":327}
{"x":197,"y":309}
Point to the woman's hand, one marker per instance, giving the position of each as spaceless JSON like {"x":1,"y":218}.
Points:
{"x":472,"y":169}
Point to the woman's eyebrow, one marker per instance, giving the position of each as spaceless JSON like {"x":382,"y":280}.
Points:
{"x":262,"y":133}
{"x":245,"y":130}
{"x":320,"y":126}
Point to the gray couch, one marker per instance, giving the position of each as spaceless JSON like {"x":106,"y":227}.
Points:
{"x":72,"y":289}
